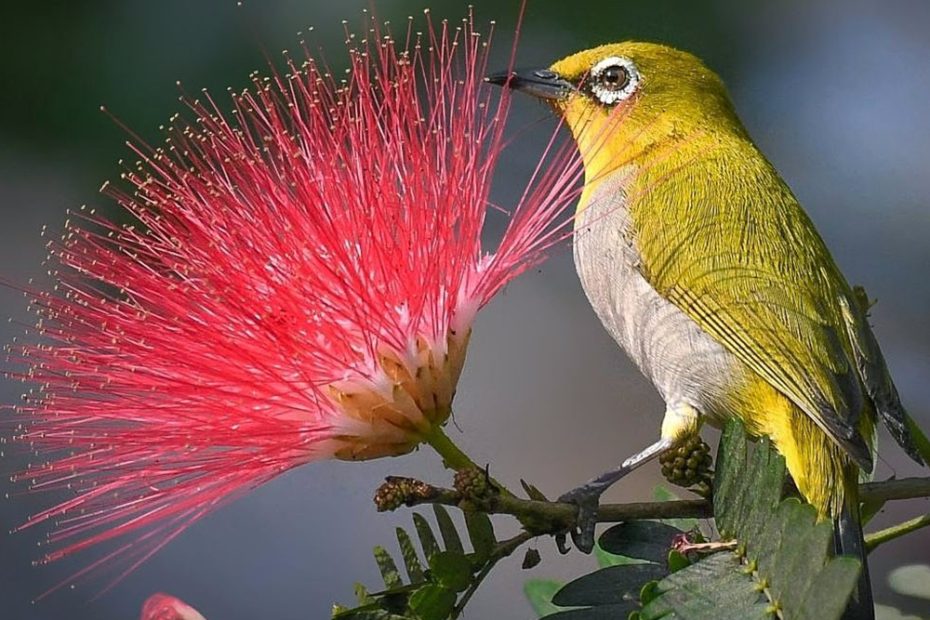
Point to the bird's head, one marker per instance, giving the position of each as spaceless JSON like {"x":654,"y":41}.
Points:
{"x":626,"y":101}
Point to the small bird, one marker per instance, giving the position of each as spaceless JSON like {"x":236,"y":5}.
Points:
{"x":703,"y":266}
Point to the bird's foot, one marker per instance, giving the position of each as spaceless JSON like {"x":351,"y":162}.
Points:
{"x":587,"y":498}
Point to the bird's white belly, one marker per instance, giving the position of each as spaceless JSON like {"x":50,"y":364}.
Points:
{"x":685,"y":364}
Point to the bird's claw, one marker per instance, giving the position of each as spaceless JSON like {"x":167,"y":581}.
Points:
{"x":587,"y":501}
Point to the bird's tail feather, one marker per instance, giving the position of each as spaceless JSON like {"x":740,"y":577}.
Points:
{"x":918,"y":438}
{"x":849,"y":541}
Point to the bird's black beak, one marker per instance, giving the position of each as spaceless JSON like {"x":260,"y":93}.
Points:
{"x":542,"y":83}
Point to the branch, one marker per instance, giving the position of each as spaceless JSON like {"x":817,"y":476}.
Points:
{"x":504,"y":549}
{"x":905,"y":488}
{"x":550,"y":517}
{"x":880,"y":537}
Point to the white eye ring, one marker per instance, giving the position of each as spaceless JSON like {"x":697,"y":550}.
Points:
{"x":606,"y":94}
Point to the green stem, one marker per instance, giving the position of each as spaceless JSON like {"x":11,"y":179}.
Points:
{"x":503,"y":550}
{"x":880,"y":537}
{"x":454,"y":458}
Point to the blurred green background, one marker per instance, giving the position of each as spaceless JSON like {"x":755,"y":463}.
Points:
{"x":836,"y":93}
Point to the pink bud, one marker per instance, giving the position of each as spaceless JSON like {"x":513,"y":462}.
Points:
{"x":166,"y":607}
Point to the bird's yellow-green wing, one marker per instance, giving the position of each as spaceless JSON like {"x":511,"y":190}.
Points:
{"x":729,"y":245}
{"x":877,"y":380}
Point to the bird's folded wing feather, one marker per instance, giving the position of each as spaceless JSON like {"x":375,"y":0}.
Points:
{"x":757,"y":278}
{"x":877,"y":380}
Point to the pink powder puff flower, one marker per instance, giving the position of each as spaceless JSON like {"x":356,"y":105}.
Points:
{"x":166,"y":607}
{"x":299,"y":282}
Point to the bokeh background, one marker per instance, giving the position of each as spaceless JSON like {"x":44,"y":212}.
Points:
{"x":836,"y":93}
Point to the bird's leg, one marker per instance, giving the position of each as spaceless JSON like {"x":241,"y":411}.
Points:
{"x":588,"y":496}
{"x":679,"y":423}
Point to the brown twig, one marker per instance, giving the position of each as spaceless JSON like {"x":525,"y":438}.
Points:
{"x":559,"y":516}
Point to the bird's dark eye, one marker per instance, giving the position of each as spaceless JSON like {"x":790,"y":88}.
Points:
{"x":614,"y":77}
{"x":613,"y":80}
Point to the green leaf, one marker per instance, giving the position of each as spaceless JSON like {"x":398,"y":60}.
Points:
{"x":731,"y":461}
{"x":782,"y":541}
{"x":790,"y":547}
{"x":532,"y":492}
{"x":716,"y":588}
{"x":649,"y":592}
{"x":764,"y":482}
{"x":531,"y":558}
{"x":912,"y":580}
{"x":605,"y":559}
{"x":432,"y":602}
{"x":367,"y":613}
{"x":748,"y":483}
{"x":426,"y":536}
{"x":643,"y":540}
{"x":615,"y":584}
{"x":539,"y":593}
{"x":373,"y":607}
{"x":662,"y":493}
{"x":797,"y":550}
{"x":614,"y":611}
{"x":829,"y":591}
{"x":388,"y":568}
{"x":677,"y":561}
{"x":409,"y":554}
{"x":481,"y":533}
{"x":450,"y":535}
{"x":921,"y":441}
{"x":451,"y":569}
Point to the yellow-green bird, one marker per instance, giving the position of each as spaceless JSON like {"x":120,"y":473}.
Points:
{"x":702,"y":265}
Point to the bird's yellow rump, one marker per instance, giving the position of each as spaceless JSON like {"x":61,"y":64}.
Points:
{"x":701,"y":263}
